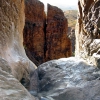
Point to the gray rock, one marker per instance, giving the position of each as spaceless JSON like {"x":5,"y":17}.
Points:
{"x":70,"y":79}
{"x":10,"y":87}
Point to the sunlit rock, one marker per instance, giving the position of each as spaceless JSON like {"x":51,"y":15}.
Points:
{"x":11,"y":38}
{"x":69,"y":78}
{"x":88,"y":31}
{"x":14,"y":63}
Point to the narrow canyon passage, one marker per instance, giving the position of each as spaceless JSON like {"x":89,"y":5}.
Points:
{"x":72,"y":78}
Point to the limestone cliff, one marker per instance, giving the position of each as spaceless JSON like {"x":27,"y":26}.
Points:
{"x":34,"y":30}
{"x":11,"y":38}
{"x":70,"y":78}
{"x":88,"y":31}
{"x":45,"y":38}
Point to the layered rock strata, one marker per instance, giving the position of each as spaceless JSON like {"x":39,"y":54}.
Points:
{"x":88,"y":31}
{"x":45,"y":39}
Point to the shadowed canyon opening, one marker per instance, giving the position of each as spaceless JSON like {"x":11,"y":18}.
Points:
{"x":48,"y":38}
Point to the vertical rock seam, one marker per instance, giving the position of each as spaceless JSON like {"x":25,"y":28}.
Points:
{"x":45,"y":38}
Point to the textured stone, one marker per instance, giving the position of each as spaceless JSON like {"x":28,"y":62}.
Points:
{"x":57,"y":42}
{"x":71,"y":35}
{"x":88,"y":30}
{"x":34,"y":38}
{"x":11,"y":38}
{"x":45,"y":40}
{"x":10,"y":88}
{"x":69,"y":78}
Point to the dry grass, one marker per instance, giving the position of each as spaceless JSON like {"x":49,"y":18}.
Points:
{"x":71,"y":15}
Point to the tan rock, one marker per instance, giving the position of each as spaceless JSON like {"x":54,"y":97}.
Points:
{"x":10,"y":88}
{"x":88,"y":30}
{"x":11,"y":38}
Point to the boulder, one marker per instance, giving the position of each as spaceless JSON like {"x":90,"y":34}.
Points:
{"x":10,"y":87}
{"x":58,"y":44}
{"x":68,"y":79}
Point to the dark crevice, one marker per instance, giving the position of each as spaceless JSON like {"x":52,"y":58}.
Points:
{"x":45,"y":40}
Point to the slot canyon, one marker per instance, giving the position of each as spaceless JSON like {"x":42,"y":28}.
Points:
{"x":36,"y":52}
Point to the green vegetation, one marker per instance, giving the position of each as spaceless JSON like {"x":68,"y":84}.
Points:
{"x":71,"y":15}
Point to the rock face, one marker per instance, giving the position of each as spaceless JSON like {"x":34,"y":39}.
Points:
{"x":34,"y":36}
{"x":58,"y":44}
{"x":69,"y":78}
{"x":45,"y":40}
{"x":71,"y":35}
{"x":13,"y":60}
{"x":10,"y":87}
{"x":88,"y":31}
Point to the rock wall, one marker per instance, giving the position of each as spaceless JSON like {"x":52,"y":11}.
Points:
{"x":10,"y":87}
{"x":14,"y":63}
{"x":34,"y":30}
{"x":88,"y":31}
{"x":71,"y":35}
{"x":58,"y":44}
{"x":69,"y":78}
{"x":45,"y":38}
{"x":11,"y":38}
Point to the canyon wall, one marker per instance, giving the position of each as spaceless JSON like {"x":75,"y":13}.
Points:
{"x":45,"y":38}
{"x":88,"y":31}
{"x":34,"y":30}
{"x":11,"y":38}
{"x":14,"y":63}
{"x":58,"y":44}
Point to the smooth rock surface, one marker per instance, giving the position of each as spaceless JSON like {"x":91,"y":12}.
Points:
{"x":10,"y":88}
{"x":11,"y":38}
{"x":69,"y":79}
{"x":14,"y":64}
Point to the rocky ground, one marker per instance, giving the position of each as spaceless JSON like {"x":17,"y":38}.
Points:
{"x":68,"y":79}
